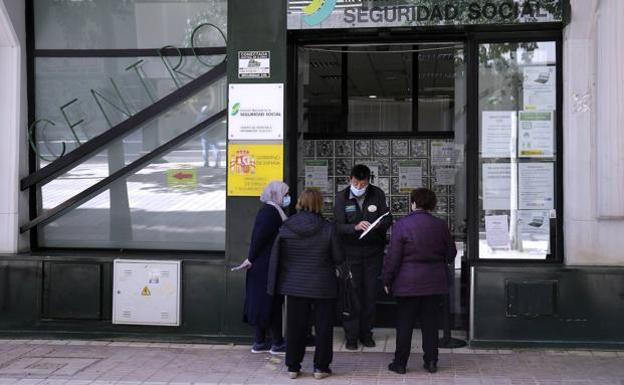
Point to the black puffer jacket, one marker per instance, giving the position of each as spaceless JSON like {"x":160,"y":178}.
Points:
{"x":304,"y":258}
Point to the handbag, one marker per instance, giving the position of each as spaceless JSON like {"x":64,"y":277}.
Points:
{"x":348,"y":300}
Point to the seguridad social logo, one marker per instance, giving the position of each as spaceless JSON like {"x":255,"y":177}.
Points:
{"x":317,"y":11}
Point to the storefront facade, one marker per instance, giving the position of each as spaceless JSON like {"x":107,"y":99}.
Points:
{"x":126,"y":148}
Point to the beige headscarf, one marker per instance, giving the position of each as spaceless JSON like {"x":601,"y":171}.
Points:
{"x":273,"y":195}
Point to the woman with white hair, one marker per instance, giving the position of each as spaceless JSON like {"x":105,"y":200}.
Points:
{"x":262,"y":311}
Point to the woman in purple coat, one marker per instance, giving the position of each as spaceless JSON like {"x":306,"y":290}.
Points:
{"x":415,"y":273}
{"x":262,"y":311}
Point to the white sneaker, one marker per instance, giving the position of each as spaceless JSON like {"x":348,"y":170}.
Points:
{"x":293,"y":375}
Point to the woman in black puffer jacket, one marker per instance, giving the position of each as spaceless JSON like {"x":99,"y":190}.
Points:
{"x":303,"y":268}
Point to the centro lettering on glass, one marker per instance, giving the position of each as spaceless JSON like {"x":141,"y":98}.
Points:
{"x":119,"y":103}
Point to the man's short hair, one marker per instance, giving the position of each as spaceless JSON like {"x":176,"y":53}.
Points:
{"x":360,"y":172}
{"x":424,"y":199}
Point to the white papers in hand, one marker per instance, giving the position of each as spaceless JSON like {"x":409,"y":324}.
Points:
{"x":243,"y":266}
{"x":372,"y":226}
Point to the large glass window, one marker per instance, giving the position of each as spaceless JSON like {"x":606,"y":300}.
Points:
{"x":380,"y":82}
{"x":380,"y":88}
{"x":127,"y":24}
{"x":518,"y":136}
{"x":175,"y":203}
{"x":96,"y":64}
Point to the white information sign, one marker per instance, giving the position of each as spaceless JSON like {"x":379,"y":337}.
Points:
{"x":536,"y":186}
{"x":254,"y":64}
{"x":534,"y":229}
{"x":536,"y":134}
{"x":316,"y":174}
{"x":498,"y":138}
{"x":443,"y":153}
{"x":410,"y":175}
{"x":497,"y":231}
{"x":444,"y":176}
{"x":539,"y":88}
{"x":496,"y":186}
{"x":146,"y":292}
{"x":256,"y":111}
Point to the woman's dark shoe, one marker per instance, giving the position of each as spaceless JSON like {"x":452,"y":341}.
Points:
{"x":261,"y":347}
{"x":279,"y":349}
{"x":368,"y":342}
{"x":431,"y":367}
{"x":398,"y":369}
{"x":351,"y":345}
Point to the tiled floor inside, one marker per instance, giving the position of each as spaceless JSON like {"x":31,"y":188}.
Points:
{"x":79,"y":362}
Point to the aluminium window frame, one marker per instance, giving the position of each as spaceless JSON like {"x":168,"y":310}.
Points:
{"x":34,"y":192}
{"x":557,"y":239}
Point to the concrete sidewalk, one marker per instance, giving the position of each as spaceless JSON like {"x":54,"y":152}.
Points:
{"x":74,"y":362}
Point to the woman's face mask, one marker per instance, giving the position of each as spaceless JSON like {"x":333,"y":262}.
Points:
{"x":286,"y":201}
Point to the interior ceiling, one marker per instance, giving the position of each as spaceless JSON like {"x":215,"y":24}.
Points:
{"x":381,"y":71}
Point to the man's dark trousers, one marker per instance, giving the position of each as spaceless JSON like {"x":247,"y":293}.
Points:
{"x":366,"y":277}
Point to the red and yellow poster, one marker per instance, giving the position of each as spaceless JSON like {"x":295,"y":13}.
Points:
{"x":252,"y":166}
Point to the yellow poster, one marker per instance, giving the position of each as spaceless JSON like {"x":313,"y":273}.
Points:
{"x":252,"y":166}
{"x":182,"y":178}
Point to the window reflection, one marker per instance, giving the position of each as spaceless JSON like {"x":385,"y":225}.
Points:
{"x":517,"y":107}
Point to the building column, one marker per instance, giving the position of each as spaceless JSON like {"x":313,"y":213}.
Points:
{"x":593,"y":135}
{"x":10,"y":119}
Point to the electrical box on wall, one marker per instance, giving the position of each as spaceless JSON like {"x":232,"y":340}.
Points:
{"x":146,"y":292}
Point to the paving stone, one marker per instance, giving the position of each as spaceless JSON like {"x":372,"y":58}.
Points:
{"x":124,"y":363}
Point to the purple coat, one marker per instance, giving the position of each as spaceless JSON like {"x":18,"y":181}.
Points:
{"x":415,"y":263}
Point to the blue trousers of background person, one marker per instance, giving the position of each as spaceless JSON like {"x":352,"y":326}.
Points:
{"x":298,"y":313}
{"x":426,"y":308}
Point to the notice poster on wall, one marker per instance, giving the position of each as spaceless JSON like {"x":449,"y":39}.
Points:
{"x":536,"y":134}
{"x":497,"y":231}
{"x":496,"y":186}
{"x":443,"y":153}
{"x":534,"y":231}
{"x":316,"y":174}
{"x":498,"y":139}
{"x":256,"y":111}
{"x":539,"y":88}
{"x":536,"y":186}
{"x":410,"y":175}
{"x":254,"y":64}
{"x":252,"y":166}
{"x":444,"y":176}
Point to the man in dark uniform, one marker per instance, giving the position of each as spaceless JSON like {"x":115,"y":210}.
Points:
{"x":355,"y":209}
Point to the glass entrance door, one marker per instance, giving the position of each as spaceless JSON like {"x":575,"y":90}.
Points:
{"x":401,"y":110}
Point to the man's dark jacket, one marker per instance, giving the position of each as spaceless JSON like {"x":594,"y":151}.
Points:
{"x":304,"y":258}
{"x":347,"y":214}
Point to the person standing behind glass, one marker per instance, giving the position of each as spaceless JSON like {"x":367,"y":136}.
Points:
{"x":262,"y":311}
{"x":356,"y":207}
{"x":415,"y":273}
{"x":303,"y":266}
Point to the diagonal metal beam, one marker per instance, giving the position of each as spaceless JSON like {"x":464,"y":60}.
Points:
{"x":89,"y":148}
{"x":102,"y":185}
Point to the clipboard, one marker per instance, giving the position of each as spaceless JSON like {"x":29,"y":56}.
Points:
{"x":373,"y":225}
